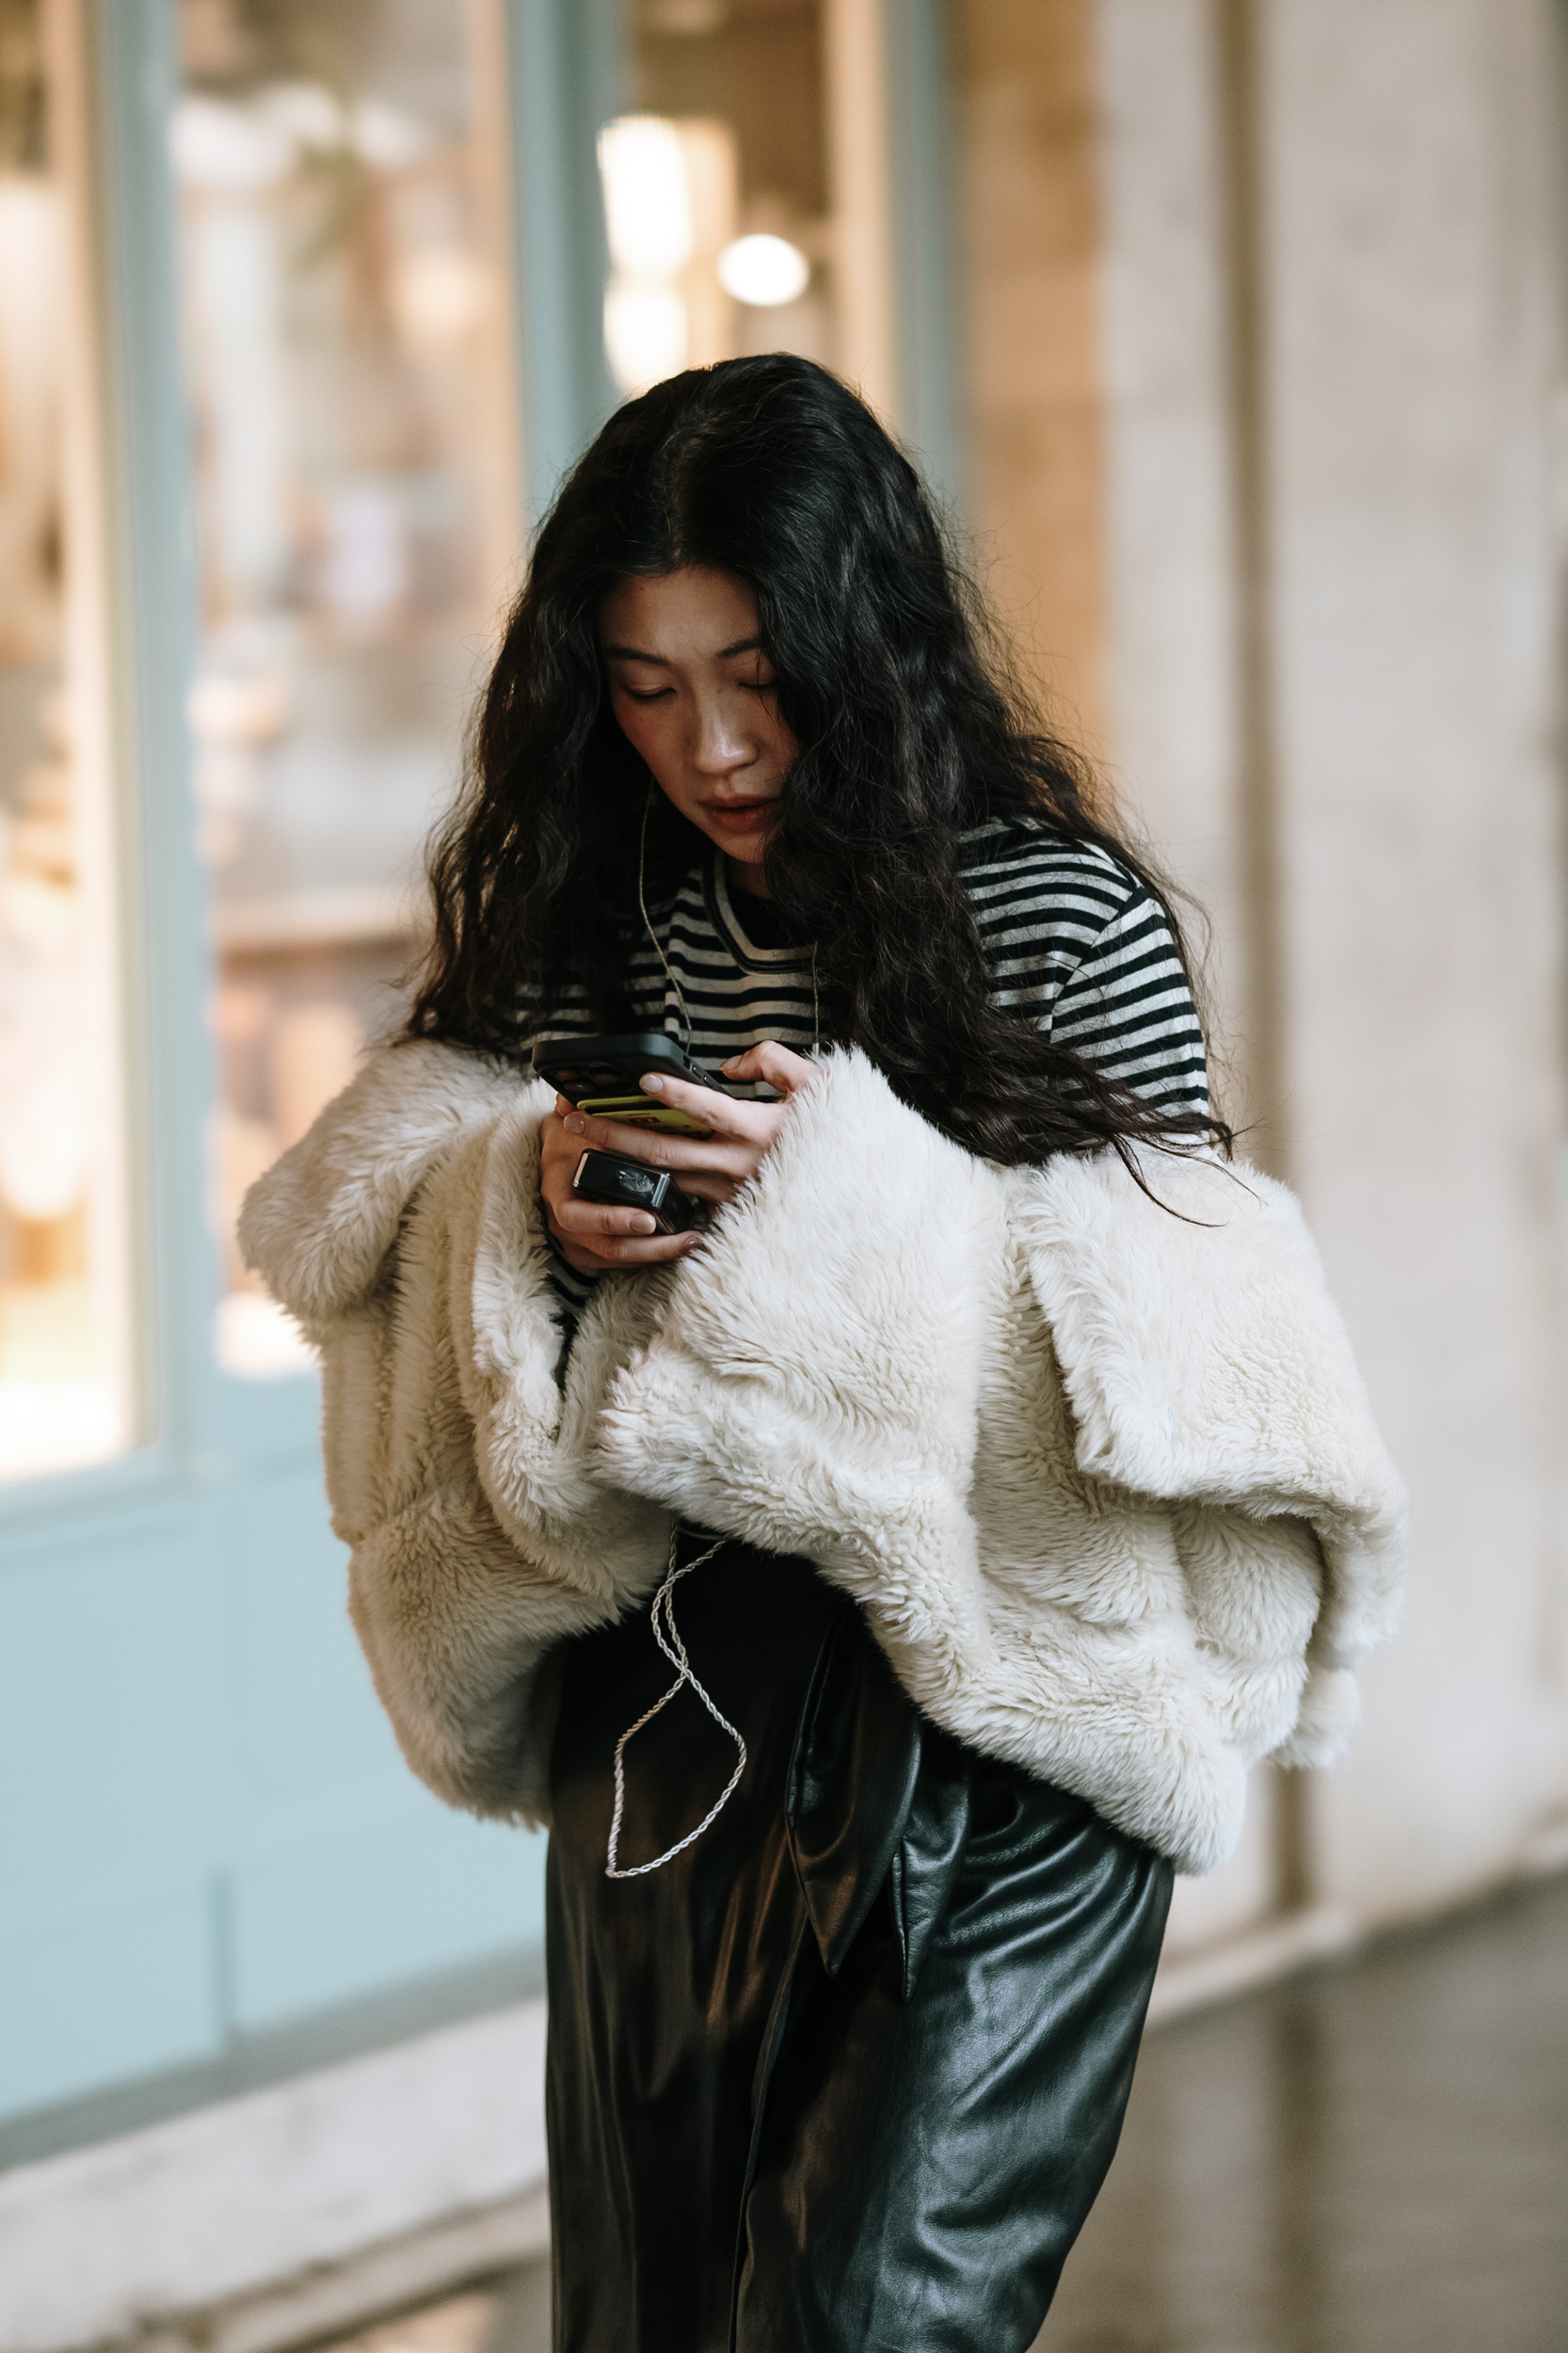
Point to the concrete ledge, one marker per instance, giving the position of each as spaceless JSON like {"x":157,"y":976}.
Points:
{"x":1278,"y":1947}
{"x":464,"y":2252}
{"x":201,"y":2213}
{"x":319,"y":2206}
{"x":1216,"y":1972}
{"x":1546,"y":1850}
{"x":262,"y":2056}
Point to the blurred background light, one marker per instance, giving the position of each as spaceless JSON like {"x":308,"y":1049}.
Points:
{"x":644,"y":334}
{"x":304,"y":113}
{"x":763,"y":271}
{"x":228,"y":149}
{"x":647,"y":207}
{"x":670,"y":208}
{"x":237,"y":146}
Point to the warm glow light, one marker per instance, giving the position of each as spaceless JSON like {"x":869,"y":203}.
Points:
{"x":65,"y":1395}
{"x":228,"y":149}
{"x":440,"y":295}
{"x":645,"y":333}
{"x":237,"y":148}
{"x":669,"y":210}
{"x":763,"y":271}
{"x":648,"y":209}
{"x":256,"y":1338}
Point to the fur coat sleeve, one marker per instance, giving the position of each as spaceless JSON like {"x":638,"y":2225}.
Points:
{"x":1103,"y":1478}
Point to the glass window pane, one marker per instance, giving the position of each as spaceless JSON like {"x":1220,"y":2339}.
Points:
{"x":716,"y":190}
{"x":348,"y":349}
{"x":65,"y":1387}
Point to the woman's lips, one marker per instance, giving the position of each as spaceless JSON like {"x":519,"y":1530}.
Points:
{"x":739,"y":816}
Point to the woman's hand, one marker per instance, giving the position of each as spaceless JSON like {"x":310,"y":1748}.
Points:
{"x":711,"y":1168}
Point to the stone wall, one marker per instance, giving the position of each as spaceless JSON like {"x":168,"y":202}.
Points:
{"x":1416,"y":387}
{"x":1028,"y":241}
{"x":1266,"y":415}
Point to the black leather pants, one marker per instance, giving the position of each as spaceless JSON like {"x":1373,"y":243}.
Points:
{"x":849,"y":2070}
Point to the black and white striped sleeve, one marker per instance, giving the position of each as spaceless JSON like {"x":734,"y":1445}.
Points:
{"x":1078,"y":944}
{"x":1127,"y":1009}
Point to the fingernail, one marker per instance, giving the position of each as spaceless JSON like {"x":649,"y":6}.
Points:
{"x":573,"y":1127}
{"x":644,"y":1225}
{"x":652,"y":1085}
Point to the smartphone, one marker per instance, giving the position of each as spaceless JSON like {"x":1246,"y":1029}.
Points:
{"x":626,"y":1184}
{"x":599,"y":1076}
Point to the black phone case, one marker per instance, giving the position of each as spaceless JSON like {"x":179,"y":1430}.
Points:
{"x":600,"y":1176}
{"x":587,"y":1066}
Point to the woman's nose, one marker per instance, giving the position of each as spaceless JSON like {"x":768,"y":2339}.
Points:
{"x":722,"y":743}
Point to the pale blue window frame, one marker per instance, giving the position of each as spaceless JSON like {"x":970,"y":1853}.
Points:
{"x":130,"y":1851}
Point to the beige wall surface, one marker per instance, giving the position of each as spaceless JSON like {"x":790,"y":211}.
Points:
{"x":1171,"y":654}
{"x":1028,"y":242}
{"x":1401,"y":627}
{"x":1415,"y":380}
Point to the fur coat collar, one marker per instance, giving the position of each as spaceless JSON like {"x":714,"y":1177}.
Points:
{"x":1104,"y":1480}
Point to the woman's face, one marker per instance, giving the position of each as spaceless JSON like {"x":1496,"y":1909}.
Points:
{"x":692,"y":691}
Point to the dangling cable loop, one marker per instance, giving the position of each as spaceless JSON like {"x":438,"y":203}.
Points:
{"x":659,"y":945}
{"x":675,"y":1651}
{"x":647,"y":925}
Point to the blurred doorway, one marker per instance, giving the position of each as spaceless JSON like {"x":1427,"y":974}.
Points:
{"x":349,"y":338}
{"x":745,"y":192}
{"x":67,"y":1353}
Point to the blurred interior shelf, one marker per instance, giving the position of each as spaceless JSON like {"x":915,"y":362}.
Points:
{"x":310,"y":918}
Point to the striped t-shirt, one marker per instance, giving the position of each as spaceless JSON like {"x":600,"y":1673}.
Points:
{"x":1075,"y":942}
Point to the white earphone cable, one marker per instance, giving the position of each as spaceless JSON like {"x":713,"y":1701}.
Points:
{"x":659,"y":945}
{"x":675,"y":1651}
{"x":647,"y":925}
{"x":661,"y":1617}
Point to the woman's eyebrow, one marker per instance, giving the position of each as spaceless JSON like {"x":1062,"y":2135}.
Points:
{"x":636,"y":653}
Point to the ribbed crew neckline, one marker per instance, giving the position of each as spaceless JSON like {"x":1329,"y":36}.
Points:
{"x":721,"y":913}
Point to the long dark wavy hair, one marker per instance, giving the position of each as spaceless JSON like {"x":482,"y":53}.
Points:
{"x":908,"y":731}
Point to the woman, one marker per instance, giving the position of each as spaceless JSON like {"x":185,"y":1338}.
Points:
{"x":997,"y":1460}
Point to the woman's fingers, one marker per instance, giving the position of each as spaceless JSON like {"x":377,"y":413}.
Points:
{"x":603,"y":1255}
{"x":587,"y":1132}
{"x":594,"y":1236}
{"x":774,"y":1064}
{"x":595,"y":1217}
{"x":710,"y":1168}
{"x":722,"y":1113}
{"x":730,"y":1152}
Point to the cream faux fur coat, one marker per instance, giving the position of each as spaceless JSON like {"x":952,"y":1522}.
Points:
{"x":1104,"y":1480}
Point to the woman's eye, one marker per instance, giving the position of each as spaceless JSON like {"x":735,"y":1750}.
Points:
{"x":654,"y":693}
{"x":760,"y":685}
